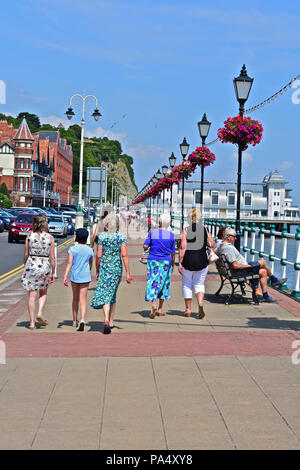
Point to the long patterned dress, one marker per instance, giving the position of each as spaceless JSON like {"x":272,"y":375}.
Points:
{"x":37,"y":270}
{"x":110,"y":273}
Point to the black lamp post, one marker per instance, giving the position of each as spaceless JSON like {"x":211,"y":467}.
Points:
{"x":172,"y":162}
{"x":242,"y":87}
{"x":153,"y":181}
{"x":184,"y":148}
{"x":158,"y":175}
{"x":165,"y":171}
{"x":203,"y":126}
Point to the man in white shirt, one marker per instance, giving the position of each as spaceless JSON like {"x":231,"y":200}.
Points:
{"x":239,"y":263}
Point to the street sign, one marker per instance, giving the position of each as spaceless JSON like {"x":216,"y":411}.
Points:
{"x":95,"y":183}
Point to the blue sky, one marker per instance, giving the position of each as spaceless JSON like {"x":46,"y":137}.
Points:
{"x":156,"y":67}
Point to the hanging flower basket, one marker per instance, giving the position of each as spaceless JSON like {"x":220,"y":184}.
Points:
{"x":183,"y":170}
{"x":241,"y":131}
{"x":201,"y":156}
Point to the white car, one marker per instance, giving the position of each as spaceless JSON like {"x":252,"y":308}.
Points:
{"x":70,"y":214}
{"x":57,"y":225}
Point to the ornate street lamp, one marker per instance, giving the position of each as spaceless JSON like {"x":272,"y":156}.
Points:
{"x":70,"y":113}
{"x":203,"y":127}
{"x":172,"y":162}
{"x":184,"y":148}
{"x":242,"y":87}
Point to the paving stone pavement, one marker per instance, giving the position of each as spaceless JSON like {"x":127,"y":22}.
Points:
{"x":224,"y":382}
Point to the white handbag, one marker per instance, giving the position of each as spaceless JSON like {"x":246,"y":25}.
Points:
{"x":144,"y":258}
{"x":211,"y":255}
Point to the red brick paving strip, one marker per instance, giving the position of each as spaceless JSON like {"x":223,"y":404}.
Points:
{"x":94,"y":344}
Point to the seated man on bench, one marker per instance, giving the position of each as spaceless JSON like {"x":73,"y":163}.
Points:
{"x":239,"y":264}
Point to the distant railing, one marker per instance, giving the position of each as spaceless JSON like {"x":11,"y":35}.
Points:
{"x":250,"y":236}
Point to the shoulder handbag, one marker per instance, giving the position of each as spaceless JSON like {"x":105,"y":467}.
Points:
{"x":211,"y":255}
{"x":144,"y":258}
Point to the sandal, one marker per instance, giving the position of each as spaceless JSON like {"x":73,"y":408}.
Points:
{"x":31,"y":327}
{"x":201,"y":313}
{"x":187,"y":313}
{"x":107,"y":329}
{"x":153,"y":312}
{"x":42,"y":321}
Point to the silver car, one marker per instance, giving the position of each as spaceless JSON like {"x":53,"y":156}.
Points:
{"x":57,"y":225}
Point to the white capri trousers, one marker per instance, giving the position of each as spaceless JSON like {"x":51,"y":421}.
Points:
{"x":193,"y":280}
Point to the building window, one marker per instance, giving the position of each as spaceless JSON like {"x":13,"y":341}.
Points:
{"x":215,"y":198}
{"x":22,"y":145}
{"x":197,"y":197}
{"x":22,"y":163}
{"x":16,"y":184}
{"x":26,"y":184}
{"x":21,"y":184}
{"x":248,"y":199}
{"x":231,"y":199}
{"x":27,"y":163}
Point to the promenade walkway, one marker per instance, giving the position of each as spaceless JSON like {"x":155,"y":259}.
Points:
{"x":224,"y":382}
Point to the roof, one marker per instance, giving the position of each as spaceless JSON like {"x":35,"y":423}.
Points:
{"x":53,"y":136}
{"x":274,"y":177}
{"x":23,"y":133}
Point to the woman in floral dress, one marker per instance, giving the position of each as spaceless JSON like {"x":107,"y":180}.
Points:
{"x":160,"y":264}
{"x":39,"y":267}
{"x":111,"y":251}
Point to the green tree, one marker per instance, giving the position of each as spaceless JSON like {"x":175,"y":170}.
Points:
{"x":3,"y":189}
{"x":5,"y":202}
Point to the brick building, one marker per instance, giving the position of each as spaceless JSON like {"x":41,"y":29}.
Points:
{"x":35,"y":168}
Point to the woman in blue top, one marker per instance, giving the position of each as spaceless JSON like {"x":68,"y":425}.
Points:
{"x":160,"y":264}
{"x":80,"y":261}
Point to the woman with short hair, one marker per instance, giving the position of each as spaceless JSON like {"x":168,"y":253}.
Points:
{"x":193,"y":261}
{"x":160,"y":264}
{"x":39,"y":267}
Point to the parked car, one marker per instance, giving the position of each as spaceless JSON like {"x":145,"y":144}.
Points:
{"x":12,"y":214}
{"x":6,"y":218}
{"x":57,"y":225}
{"x":69,"y":214}
{"x":20,"y":228}
{"x":50,"y":210}
{"x":66,"y":207}
{"x":70,"y":224}
{"x":1,"y":226}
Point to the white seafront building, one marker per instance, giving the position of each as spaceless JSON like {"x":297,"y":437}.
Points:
{"x":271,"y":198}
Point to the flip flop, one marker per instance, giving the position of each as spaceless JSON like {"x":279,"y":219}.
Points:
{"x":31,"y":328}
{"x":187,"y":313}
{"x":107,"y":329}
{"x":41,"y":321}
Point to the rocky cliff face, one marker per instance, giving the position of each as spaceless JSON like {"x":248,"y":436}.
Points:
{"x":120,"y":173}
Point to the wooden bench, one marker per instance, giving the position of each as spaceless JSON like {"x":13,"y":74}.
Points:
{"x":236,"y":279}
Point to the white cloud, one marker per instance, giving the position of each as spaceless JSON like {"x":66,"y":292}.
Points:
{"x":285,"y":165}
{"x":55,"y":121}
{"x":149,"y":152}
{"x":100,"y":132}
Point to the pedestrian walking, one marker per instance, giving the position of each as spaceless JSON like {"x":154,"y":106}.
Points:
{"x":80,"y":261}
{"x":111,"y":251}
{"x":39,"y":267}
{"x":193,"y":261}
{"x":99,"y":228}
{"x":160,"y":264}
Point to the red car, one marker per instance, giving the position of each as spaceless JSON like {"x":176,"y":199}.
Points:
{"x":20,"y":228}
